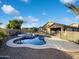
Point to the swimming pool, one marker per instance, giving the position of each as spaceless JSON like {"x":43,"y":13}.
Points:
{"x":31,"y":39}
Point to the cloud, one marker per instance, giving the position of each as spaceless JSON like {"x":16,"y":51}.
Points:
{"x":77,"y":17}
{"x":25,"y":1}
{"x":29,"y":21}
{"x":8,"y":9}
{"x":44,"y":13}
{"x":19,"y":17}
{"x":32,"y":21}
{"x":68,"y":1}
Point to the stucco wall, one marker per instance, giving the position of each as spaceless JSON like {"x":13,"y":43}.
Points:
{"x":69,"y":35}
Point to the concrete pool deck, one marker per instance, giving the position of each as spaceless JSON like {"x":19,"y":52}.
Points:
{"x":52,"y":42}
{"x":62,"y":44}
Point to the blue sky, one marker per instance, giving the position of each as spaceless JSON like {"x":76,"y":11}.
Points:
{"x":36,"y":12}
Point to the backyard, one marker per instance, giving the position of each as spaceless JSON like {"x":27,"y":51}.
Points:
{"x":55,"y":47}
{"x":30,"y":53}
{"x":39,"y":29}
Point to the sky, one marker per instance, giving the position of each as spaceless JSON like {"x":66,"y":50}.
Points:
{"x":36,"y":13}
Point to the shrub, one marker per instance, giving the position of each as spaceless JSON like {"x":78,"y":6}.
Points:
{"x":2,"y":37}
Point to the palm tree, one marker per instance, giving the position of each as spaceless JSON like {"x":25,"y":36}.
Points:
{"x":72,"y":7}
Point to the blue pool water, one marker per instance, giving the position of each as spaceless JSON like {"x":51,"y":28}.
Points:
{"x":34,"y":39}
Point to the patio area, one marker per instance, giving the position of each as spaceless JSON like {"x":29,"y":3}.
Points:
{"x":51,"y":42}
{"x":30,"y":53}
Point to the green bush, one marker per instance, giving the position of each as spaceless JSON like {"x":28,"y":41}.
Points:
{"x":2,"y":35}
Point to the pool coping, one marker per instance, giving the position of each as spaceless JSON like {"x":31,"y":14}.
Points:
{"x":49,"y":44}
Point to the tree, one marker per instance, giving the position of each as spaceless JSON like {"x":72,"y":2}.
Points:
{"x":8,"y":26}
{"x":73,"y":8}
{"x":14,"y":24}
{"x":35,"y":29}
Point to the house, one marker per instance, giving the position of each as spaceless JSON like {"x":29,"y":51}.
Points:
{"x":46,"y":28}
{"x":74,"y":25}
{"x":51,"y":27}
{"x":68,"y":32}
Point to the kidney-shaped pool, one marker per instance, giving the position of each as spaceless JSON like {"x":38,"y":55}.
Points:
{"x":33,"y":39}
